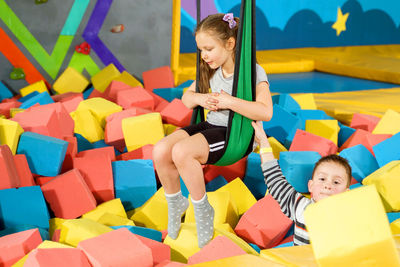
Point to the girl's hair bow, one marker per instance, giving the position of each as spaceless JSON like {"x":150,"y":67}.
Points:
{"x":230,"y":19}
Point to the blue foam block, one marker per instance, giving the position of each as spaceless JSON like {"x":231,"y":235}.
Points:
{"x":169,"y":94}
{"x":216,"y":183}
{"x":392,"y":216}
{"x":311,"y":114}
{"x":45,"y":154}
{"x":25,"y":205}
{"x":184,"y":190}
{"x":362,"y":162}
{"x":4,"y":92}
{"x":87,"y":92}
{"x":254,"y":178}
{"x":344,"y":134}
{"x":354,"y":186}
{"x":283,"y":125}
{"x":288,"y":244}
{"x":255,"y":247}
{"x":143,"y":231}
{"x":386,"y":151}
{"x":42,"y":99}
{"x":185,"y":84}
{"x":134,"y":182}
{"x":287,"y":102}
{"x":297,"y":167}
{"x":19,"y":228}
{"x":83,"y":143}
{"x":28,"y":96}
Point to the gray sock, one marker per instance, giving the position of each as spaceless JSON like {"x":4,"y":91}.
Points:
{"x":177,"y":205}
{"x":204,"y":215}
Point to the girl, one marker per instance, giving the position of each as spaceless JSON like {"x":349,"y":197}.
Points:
{"x":183,"y":152}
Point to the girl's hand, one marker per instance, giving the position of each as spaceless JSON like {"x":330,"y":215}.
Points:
{"x":259,"y":134}
{"x":224,"y":100}
{"x":209,"y":101}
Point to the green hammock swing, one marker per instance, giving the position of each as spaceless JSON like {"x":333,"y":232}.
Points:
{"x":240,"y":133}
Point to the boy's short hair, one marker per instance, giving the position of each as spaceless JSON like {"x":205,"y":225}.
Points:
{"x":338,"y":160}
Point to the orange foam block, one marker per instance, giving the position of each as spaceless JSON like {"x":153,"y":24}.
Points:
{"x":116,"y":248}
{"x":24,"y":173}
{"x":15,"y":246}
{"x":263,"y":224}
{"x":161,"y":77}
{"x":96,"y":152}
{"x":72,"y":150}
{"x":60,"y":257}
{"x":68,"y":195}
{"x":230,"y":172}
{"x":365,"y":138}
{"x":220,"y":247}
{"x":114,"y":88}
{"x":160,"y":251}
{"x":8,"y":170}
{"x":135,"y":97}
{"x":305,"y":141}
{"x":177,"y":113}
{"x":97,"y":173}
{"x":144,"y":152}
{"x":364,"y":121}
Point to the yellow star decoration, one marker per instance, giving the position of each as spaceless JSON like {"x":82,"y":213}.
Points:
{"x":340,"y":24}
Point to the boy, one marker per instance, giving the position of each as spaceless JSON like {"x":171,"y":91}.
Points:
{"x":331,"y":175}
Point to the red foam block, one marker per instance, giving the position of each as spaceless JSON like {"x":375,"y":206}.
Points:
{"x":24,"y":173}
{"x":144,"y":152}
{"x":72,"y":150}
{"x":112,"y":90}
{"x":60,"y":257}
{"x":160,"y":251}
{"x":230,"y":172}
{"x":135,"y":97}
{"x":161,"y":77}
{"x":95,"y":152}
{"x":69,"y":100}
{"x":364,"y":121}
{"x":305,"y":141}
{"x":6,"y":106}
{"x":365,"y":138}
{"x":8,"y":171}
{"x":177,"y":113}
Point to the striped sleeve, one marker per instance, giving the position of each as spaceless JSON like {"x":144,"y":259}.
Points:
{"x":280,"y":189}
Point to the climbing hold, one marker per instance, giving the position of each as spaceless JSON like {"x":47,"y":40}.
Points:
{"x":117,"y":28}
{"x":83,"y":48}
{"x":38,"y":2}
{"x":17,"y":74}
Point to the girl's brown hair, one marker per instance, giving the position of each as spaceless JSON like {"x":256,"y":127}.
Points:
{"x":216,"y":26}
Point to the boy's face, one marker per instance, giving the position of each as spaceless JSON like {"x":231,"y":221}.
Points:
{"x":329,"y":179}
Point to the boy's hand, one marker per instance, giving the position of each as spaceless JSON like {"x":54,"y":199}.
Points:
{"x":259,"y":134}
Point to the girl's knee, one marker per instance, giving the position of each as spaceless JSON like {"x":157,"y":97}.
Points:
{"x":179,"y":153}
{"x":161,"y":151}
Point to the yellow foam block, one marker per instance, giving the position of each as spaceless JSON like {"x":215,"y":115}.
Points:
{"x":239,"y":261}
{"x":128,"y":79}
{"x":100,"y":108}
{"x":113,"y":206}
{"x":70,"y":81}
{"x":54,"y":224}
{"x":306,"y":101}
{"x":10,"y":132}
{"x":109,"y":219}
{"x":142,"y":130}
{"x":295,"y":256}
{"x":76,"y":230}
{"x":328,"y":129}
{"x":241,"y":195}
{"x":14,"y":111}
{"x":277,"y":147}
{"x":387,"y":182}
{"x":103,"y":78}
{"x":224,"y":207}
{"x":87,"y":125}
{"x":351,"y":228}
{"x":169,"y":128}
{"x":154,"y":213}
{"x":39,"y":86}
{"x":388,"y":124}
{"x":395,"y":227}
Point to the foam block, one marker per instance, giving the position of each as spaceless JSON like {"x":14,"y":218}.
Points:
{"x":4,"y":91}
{"x":362,"y":162}
{"x":215,"y":183}
{"x":77,"y":230}
{"x":169,"y":94}
{"x":41,"y":99}
{"x":159,"y":102}
{"x":229,"y":172}
{"x":70,"y":101}
{"x":8,"y":170}
{"x":39,"y":87}
{"x":177,"y":113}
{"x":328,"y":129}
{"x":5,"y":107}
{"x":360,"y":211}
{"x":386,"y":180}
{"x":25,"y":205}
{"x":100,"y":108}
{"x":10,"y":132}
{"x":55,"y":224}
{"x":103,"y":78}
{"x":297,"y":167}
{"x":45,"y":154}
{"x":68,"y":195}
{"x":135,"y":182}
{"x":344,"y":134}
{"x":57,"y":257}
{"x":143,"y":231}
{"x":161,"y":77}
{"x":135,"y":97}
{"x":112,"y":90}
{"x":87,"y":125}
{"x":387,"y":150}
{"x":160,"y":251}
{"x":96,"y":152}
{"x":70,"y":81}
{"x":264,"y":231}
{"x":116,"y":248}
{"x":144,"y":152}
{"x":72,"y":150}
{"x":364,"y":121}
{"x":388,"y":124}
{"x":113,"y":206}
{"x":128,"y":79}
{"x":306,"y":101}
{"x":24,"y":173}
{"x":395,"y":227}
{"x":109,"y":219}
{"x":97,"y":173}
{"x":286,"y":101}
{"x":304,"y":141}
{"x":291,"y":256}
{"x":142,"y":130}
{"x":220,"y":247}
{"x":254,"y":178}
{"x":365,"y":138}
{"x":15,"y":246}
{"x":277,"y":147}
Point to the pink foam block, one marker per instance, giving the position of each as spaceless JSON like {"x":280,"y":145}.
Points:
{"x":113,"y":131}
{"x":144,"y":152}
{"x":160,"y":251}
{"x":364,"y":121}
{"x":135,"y":97}
{"x":69,"y":100}
{"x":230,"y":172}
{"x":95,"y":152}
{"x":8,"y":171}
{"x":177,"y":113}
{"x":97,"y":173}
{"x":6,"y":106}
{"x":305,"y":141}
{"x":263,"y":224}
{"x":161,"y":77}
{"x":116,"y":248}
{"x":365,"y":138}
{"x":24,"y":173}
{"x":72,"y":150}
{"x":220,"y":247}
{"x":113,"y":89}
{"x":68,"y":195}
{"x":15,"y":246}
{"x":60,"y":257}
